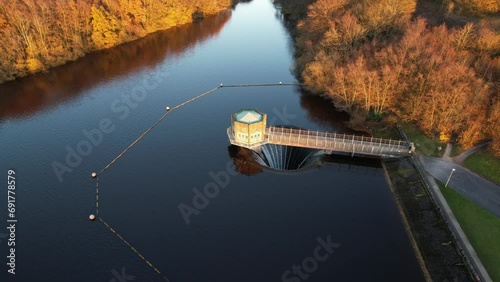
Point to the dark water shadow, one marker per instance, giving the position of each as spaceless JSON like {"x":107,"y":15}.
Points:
{"x":319,"y":109}
{"x":323,"y":112}
{"x":245,"y":160}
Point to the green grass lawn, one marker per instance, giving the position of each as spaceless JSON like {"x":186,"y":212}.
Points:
{"x":484,"y":164}
{"x":481,"y":227}
{"x":383,"y":130}
{"x":456,"y":150}
{"x":423,"y":143}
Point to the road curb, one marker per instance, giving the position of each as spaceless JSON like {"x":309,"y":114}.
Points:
{"x":466,"y":250}
{"x":470,"y":256}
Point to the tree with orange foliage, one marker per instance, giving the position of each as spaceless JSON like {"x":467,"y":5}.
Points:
{"x":493,"y":127}
{"x":482,"y":6}
{"x":41,"y":34}
{"x":424,"y":75}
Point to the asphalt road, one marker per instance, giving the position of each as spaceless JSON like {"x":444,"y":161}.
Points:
{"x":480,"y":191}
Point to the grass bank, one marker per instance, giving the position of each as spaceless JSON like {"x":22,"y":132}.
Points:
{"x":456,"y":150}
{"x":484,"y":164}
{"x":423,"y":143}
{"x":481,"y":227}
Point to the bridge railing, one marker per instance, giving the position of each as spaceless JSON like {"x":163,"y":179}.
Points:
{"x":345,"y":138}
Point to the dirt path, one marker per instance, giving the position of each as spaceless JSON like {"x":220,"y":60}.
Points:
{"x":447,"y":153}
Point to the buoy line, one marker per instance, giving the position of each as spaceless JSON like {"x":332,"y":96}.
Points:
{"x":134,"y":249}
{"x":95,"y":175}
{"x":169,"y":110}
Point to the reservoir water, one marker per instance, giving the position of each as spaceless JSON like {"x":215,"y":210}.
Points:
{"x":257,"y":224}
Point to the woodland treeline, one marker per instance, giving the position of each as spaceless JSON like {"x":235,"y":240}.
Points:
{"x":37,"y":35}
{"x":374,"y":59}
{"x":38,"y":93}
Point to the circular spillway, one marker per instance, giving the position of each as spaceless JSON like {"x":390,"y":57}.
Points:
{"x":286,"y":158}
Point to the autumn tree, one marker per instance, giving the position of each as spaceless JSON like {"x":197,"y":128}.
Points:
{"x":105,"y":28}
{"x":482,"y":6}
{"x":371,"y":58}
{"x":493,"y":127}
{"x":41,"y":34}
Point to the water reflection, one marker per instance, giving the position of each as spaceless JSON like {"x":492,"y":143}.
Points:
{"x":245,"y":160}
{"x":27,"y":96}
{"x":322,"y":112}
{"x":249,"y":162}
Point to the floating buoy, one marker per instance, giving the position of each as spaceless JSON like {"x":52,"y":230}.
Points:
{"x":94,"y":175}
{"x":91,"y":217}
{"x":222,"y":85}
{"x":280,"y":82}
{"x":168,"y":108}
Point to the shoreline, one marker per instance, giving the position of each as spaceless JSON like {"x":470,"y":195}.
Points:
{"x":407,"y":225}
{"x":435,"y":246}
{"x":198,"y":16}
{"x":434,"y":232}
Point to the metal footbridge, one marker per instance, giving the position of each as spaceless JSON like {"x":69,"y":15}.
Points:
{"x":330,"y":142}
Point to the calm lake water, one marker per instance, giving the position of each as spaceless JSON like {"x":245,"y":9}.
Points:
{"x":255,"y":229}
